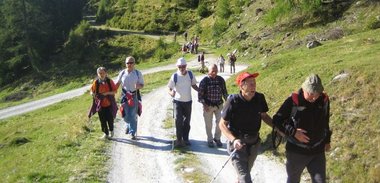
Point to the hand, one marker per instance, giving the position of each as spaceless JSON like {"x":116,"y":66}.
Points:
{"x":300,"y":135}
{"x":238,"y":144}
{"x":327,"y":147}
{"x":172,"y":93}
{"x":206,"y":108}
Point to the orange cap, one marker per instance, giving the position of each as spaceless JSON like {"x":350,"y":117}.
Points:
{"x":244,"y":76}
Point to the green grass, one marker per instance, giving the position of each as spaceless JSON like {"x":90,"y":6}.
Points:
{"x":53,"y":144}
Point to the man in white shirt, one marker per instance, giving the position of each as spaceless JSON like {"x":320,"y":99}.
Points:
{"x":180,"y":85}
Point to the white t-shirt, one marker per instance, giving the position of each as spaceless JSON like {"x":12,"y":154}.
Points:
{"x":129,"y":79}
{"x":182,"y":87}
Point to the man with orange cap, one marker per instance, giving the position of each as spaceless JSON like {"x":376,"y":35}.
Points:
{"x":241,"y":122}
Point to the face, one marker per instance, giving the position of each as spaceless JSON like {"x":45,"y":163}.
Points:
{"x":212,"y":72}
{"x":130,"y":64}
{"x":248,"y":87}
{"x":311,"y":97}
{"x":182,"y":69}
{"x":102,"y":74}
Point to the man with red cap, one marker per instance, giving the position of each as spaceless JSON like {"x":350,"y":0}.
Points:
{"x":241,"y":122}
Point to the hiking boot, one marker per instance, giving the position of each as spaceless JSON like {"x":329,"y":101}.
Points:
{"x":218,"y":143}
{"x":112,"y":134}
{"x":133,"y":137}
{"x":210,"y":144}
{"x":187,"y":143}
{"x":179,"y":144}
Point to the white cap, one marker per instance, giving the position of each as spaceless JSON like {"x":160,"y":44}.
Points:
{"x":181,"y":61}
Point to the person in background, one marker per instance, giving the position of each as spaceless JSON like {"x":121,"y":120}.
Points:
{"x":304,"y":118}
{"x":212,"y":91}
{"x":103,"y":91}
{"x":130,"y":80}
{"x":241,"y":122}
{"x":232,"y":60}
{"x":180,"y":85}
{"x":221,"y":61}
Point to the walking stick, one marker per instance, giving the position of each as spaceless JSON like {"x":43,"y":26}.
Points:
{"x":232,"y":154}
{"x":173,"y":124}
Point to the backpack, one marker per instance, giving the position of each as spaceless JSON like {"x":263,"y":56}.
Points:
{"x":176,"y":77}
{"x":277,"y":139}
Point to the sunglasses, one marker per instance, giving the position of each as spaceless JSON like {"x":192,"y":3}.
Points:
{"x":182,"y":66}
{"x":130,"y":63}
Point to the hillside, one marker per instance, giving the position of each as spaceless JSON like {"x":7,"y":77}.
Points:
{"x":347,"y":61}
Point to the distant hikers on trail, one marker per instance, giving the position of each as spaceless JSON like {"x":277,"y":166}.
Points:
{"x":131,"y":81}
{"x":241,"y":122}
{"x":304,"y":117}
{"x":180,"y":85}
{"x":212,"y":92}
{"x":103,"y":90}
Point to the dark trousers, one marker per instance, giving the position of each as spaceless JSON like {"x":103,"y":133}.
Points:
{"x":106,"y":119}
{"x":182,"y":119}
{"x":315,"y":164}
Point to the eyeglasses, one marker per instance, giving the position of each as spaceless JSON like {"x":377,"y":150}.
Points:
{"x":182,"y":66}
{"x":130,"y":63}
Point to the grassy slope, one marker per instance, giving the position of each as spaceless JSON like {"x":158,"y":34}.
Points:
{"x":354,"y":101}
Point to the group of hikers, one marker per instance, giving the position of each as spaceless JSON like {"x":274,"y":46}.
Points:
{"x":191,"y":46}
{"x":303,"y":118}
{"x":220,"y":61}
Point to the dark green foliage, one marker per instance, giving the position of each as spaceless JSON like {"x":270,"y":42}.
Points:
{"x":32,"y":31}
{"x":203,"y":11}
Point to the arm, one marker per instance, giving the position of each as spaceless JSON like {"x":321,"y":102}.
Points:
{"x":140,"y":81}
{"x":195,"y":87}
{"x":266,"y":118}
{"x":234,"y":140}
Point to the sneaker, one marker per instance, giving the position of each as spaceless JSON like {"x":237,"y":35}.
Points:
{"x":218,"y":143}
{"x":112,"y":134}
{"x":210,"y":144}
{"x":127,"y":130}
{"x":187,"y":143}
{"x":104,"y":136}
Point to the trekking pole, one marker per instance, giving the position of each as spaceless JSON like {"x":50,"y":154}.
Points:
{"x":232,"y":154}
{"x":173,"y":124}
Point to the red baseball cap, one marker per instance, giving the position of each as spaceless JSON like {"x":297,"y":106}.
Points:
{"x":244,"y":76}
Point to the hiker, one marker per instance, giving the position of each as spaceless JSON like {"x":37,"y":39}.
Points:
{"x":131,"y":81}
{"x":201,"y":60}
{"x":212,"y":91}
{"x":180,"y":85}
{"x":221,"y":61}
{"x":241,"y":122}
{"x":304,"y":118}
{"x":232,"y":60}
{"x":103,"y":91}
{"x":185,"y":35}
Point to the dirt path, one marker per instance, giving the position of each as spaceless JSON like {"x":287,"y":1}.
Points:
{"x":149,"y":159}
